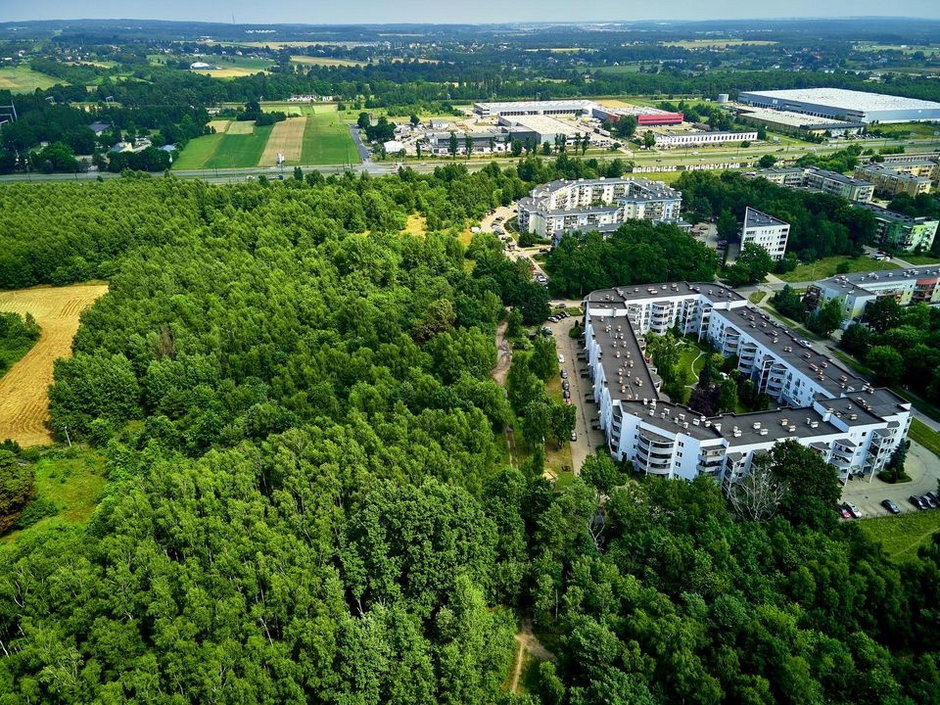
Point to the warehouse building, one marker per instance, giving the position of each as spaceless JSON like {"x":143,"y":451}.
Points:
{"x":786,"y":121}
{"x":535,"y":107}
{"x":910,"y":286}
{"x":820,"y":180}
{"x":645,"y":116}
{"x":841,"y":417}
{"x":560,"y":207}
{"x":539,"y":129}
{"x":766,"y":231}
{"x":483,"y":142}
{"x":841,"y":104}
{"x":669,"y":140}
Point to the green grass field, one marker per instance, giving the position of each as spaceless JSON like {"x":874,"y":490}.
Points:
{"x":73,"y":480}
{"x":327,"y":139}
{"x":902,"y":535}
{"x":198,"y":151}
{"x":224,"y":151}
{"x":920,"y":259}
{"x":22,"y":79}
{"x":926,"y":436}
{"x":828,"y":266}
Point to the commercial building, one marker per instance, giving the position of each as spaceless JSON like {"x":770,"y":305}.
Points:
{"x":668,"y":140}
{"x":535,"y":107}
{"x":820,"y":180}
{"x":766,"y":231}
{"x":902,"y":233}
{"x":848,"y":423}
{"x":483,"y":142}
{"x":645,"y":115}
{"x":846,"y":105}
{"x":912,"y":178}
{"x":855,"y":291}
{"x":786,"y":121}
{"x":540,"y":129}
{"x":560,"y":207}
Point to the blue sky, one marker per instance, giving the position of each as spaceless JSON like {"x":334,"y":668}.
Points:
{"x":472,"y":11}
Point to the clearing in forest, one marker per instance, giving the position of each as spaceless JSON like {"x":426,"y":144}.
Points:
{"x":240,"y":127}
{"x":287,"y":138}
{"x":24,"y":400}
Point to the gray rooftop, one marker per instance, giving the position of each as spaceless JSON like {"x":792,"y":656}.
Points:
{"x":756,"y":219}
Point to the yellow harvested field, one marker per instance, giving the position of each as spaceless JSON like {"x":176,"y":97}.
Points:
{"x":287,"y":138}
{"x":24,"y":389}
{"x":324,"y":61}
{"x":240,"y":127}
{"x":219,"y":125}
{"x":229,"y":72}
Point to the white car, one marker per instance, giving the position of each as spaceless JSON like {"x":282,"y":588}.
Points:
{"x":561,"y":359}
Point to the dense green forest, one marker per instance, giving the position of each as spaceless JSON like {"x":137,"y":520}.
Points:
{"x":309,"y":498}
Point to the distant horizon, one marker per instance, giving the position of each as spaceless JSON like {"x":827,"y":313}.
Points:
{"x":483,"y":12}
{"x":494,"y":23}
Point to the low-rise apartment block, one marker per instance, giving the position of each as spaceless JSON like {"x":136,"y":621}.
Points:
{"x":894,"y":178}
{"x":902,"y":233}
{"x":560,"y":207}
{"x":851,"y":425}
{"x":820,"y":180}
{"x":909,"y":286}
{"x":765,"y":230}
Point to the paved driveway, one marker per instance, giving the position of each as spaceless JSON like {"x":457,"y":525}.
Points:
{"x":588,"y":439}
{"x":924,"y":470}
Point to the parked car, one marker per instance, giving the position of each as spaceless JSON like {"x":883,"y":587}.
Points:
{"x":805,"y":343}
{"x":574,"y":435}
{"x":566,"y":385}
{"x":561,"y":359}
{"x":918,"y":502}
{"x":935,"y":496}
{"x":844,"y":512}
{"x":564,"y":374}
{"x":566,"y":393}
{"x":854,"y":511}
{"x":929,"y":500}
{"x":890,"y":506}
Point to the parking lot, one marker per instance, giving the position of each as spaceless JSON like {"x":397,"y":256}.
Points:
{"x":922,"y":466}
{"x":588,"y":439}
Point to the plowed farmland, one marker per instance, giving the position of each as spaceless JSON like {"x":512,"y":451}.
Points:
{"x":24,"y":401}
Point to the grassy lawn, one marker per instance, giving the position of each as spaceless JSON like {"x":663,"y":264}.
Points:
{"x":240,"y":150}
{"x":920,"y":259}
{"x":22,"y":79}
{"x":828,"y":266}
{"x":327,"y":139}
{"x":924,"y":435}
{"x":757,"y":297}
{"x":73,"y":480}
{"x":902,"y":535}
{"x":198,"y":151}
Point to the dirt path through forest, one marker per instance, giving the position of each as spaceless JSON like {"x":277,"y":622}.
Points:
{"x":527,"y":643}
{"x":24,"y":400}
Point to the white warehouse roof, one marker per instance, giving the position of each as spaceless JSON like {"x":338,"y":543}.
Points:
{"x":849,"y":100}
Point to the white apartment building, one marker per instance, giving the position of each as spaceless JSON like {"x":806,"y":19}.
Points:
{"x":851,"y":425}
{"x":668,"y":140}
{"x":766,"y":231}
{"x":560,"y":207}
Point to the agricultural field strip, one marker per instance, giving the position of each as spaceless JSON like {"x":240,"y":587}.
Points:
{"x":24,"y":401}
{"x":287,"y":139}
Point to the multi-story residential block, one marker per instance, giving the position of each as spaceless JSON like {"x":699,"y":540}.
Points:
{"x":902,"y":233}
{"x":851,"y":425}
{"x":909,"y":286}
{"x":894,"y":178}
{"x":766,"y":231}
{"x":560,"y":207}
{"x":820,"y":180}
